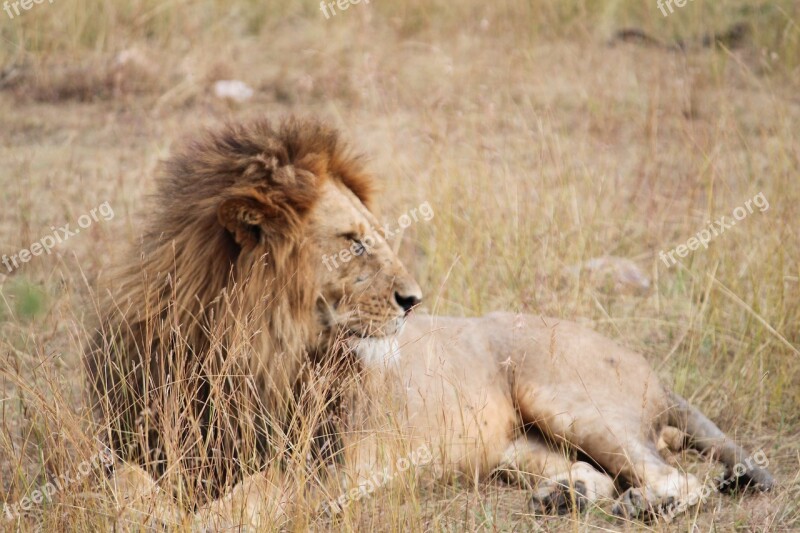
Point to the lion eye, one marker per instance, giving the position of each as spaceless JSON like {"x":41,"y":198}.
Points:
{"x":358,"y":247}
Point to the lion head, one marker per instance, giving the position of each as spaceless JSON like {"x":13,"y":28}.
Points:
{"x":302,"y":205}
{"x":231,"y":284}
{"x":367,"y":292}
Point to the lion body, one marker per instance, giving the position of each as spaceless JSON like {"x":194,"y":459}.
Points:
{"x":522,"y":395}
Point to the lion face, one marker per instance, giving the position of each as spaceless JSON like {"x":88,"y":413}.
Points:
{"x":364,"y":289}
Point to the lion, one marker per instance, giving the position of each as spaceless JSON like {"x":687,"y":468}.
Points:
{"x":214,"y":333}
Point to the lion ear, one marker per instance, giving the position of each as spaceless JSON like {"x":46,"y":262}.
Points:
{"x":243,"y":218}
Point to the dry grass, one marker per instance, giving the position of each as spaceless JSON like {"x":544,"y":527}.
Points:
{"x":538,"y":143}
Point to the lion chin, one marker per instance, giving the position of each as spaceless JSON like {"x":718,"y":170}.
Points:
{"x":377,"y":351}
{"x":219,"y":311}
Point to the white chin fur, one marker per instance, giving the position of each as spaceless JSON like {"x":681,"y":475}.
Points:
{"x":377,"y":352}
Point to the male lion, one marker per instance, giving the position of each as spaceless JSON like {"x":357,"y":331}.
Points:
{"x":210,"y":338}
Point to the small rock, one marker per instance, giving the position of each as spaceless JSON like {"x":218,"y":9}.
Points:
{"x":235,"y":90}
{"x":610,"y":272}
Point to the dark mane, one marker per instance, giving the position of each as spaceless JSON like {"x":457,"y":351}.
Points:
{"x":206,"y":329}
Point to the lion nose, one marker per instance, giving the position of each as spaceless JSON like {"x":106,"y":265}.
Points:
{"x":407,"y":301}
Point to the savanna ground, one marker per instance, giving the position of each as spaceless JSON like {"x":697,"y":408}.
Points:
{"x":539,"y":139}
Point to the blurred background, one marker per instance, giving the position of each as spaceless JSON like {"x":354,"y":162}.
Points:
{"x":562,"y":145}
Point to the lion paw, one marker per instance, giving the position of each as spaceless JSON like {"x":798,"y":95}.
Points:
{"x":635,"y":505}
{"x":559,"y":497}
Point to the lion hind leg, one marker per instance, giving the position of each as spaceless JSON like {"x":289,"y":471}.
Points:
{"x":558,"y":484}
{"x":743,"y":470}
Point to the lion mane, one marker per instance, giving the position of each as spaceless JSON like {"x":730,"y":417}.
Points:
{"x":206,"y":329}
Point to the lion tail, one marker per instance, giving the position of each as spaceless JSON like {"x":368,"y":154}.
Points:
{"x":742,"y":469}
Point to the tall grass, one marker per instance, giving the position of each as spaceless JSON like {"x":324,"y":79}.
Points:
{"x":82,"y":26}
{"x":539,"y":146}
